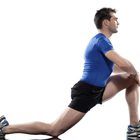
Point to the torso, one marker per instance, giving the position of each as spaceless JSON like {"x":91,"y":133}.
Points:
{"x":97,"y":68}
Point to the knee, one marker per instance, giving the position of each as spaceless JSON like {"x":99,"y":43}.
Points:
{"x":132,"y":84}
{"x":131,"y":81}
{"x":55,"y":132}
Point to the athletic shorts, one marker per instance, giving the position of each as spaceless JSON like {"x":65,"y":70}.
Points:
{"x":85,"y":96}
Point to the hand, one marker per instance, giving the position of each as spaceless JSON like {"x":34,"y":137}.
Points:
{"x":137,"y":78}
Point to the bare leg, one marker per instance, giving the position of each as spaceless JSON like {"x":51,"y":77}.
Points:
{"x":68,"y":119}
{"x":119,"y":82}
{"x":132,"y":98}
{"x":29,"y":128}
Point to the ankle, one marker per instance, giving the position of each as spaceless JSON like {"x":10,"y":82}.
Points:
{"x":4,"y":129}
{"x":135,"y":123}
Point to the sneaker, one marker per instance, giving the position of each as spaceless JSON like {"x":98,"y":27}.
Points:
{"x":3,"y":123}
{"x":133,"y":138}
{"x":133,"y":131}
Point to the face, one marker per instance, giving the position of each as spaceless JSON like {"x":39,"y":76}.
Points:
{"x":113,"y":23}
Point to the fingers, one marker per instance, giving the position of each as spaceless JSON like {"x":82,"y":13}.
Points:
{"x":138,"y":79}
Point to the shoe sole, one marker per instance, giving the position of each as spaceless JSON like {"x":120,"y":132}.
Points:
{"x":132,"y":138}
{"x":135,"y":134}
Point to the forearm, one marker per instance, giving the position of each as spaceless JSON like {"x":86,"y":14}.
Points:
{"x":128,"y":67}
{"x":124,"y":65}
{"x":116,"y":69}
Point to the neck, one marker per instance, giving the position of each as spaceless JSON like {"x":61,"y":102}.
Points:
{"x":105,"y":32}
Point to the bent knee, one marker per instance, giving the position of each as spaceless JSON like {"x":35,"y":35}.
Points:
{"x":131,"y":81}
{"x":55,"y":132}
{"x":123,"y":79}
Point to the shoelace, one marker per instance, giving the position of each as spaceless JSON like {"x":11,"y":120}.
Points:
{"x":131,"y":128}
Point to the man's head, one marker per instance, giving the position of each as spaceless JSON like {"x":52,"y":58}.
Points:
{"x":105,"y":19}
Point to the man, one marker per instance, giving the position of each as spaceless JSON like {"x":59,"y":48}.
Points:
{"x":96,"y":85}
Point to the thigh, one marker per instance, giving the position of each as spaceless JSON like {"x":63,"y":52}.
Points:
{"x":67,"y":119}
{"x":115,"y":84}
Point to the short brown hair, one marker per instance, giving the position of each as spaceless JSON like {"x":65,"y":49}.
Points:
{"x":102,"y":14}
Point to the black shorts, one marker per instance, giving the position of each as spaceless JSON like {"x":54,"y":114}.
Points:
{"x":85,"y":96}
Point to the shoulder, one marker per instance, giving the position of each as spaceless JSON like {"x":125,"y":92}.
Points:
{"x":104,"y":44}
{"x":104,"y":40}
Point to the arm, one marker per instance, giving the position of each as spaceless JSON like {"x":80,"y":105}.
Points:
{"x":116,"y":69}
{"x":105,"y":47}
{"x":123,"y":64}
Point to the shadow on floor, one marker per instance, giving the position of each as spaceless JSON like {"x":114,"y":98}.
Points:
{"x":47,"y":139}
{"x":129,"y":138}
{"x":35,"y":139}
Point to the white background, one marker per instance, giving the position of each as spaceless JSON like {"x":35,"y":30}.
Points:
{"x":42,"y":45}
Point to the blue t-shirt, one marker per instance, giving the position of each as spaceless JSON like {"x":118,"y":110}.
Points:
{"x":97,"y":67}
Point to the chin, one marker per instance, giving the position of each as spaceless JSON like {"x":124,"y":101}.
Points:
{"x":115,"y":31}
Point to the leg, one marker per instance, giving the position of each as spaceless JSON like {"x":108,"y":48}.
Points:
{"x":132,"y":98}
{"x":119,"y":82}
{"x":68,"y":119}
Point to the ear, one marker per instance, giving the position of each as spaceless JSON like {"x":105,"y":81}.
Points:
{"x":105,"y":22}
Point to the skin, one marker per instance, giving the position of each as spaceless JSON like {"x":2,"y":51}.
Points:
{"x":129,"y":81}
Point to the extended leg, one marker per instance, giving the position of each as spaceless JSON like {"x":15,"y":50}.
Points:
{"x":68,"y":119}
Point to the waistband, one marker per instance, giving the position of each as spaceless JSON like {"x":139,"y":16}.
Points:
{"x":86,"y":86}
